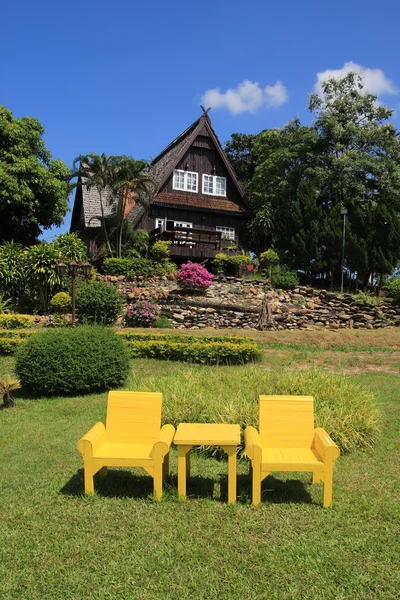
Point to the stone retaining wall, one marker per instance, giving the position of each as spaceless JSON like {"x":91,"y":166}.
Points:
{"x":235,"y":303}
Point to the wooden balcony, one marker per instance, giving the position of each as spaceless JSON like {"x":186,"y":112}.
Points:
{"x":189,"y":243}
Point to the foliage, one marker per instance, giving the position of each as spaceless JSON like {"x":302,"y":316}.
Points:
{"x":6,"y":304}
{"x":64,"y":361}
{"x":393,"y":289}
{"x":136,"y":242}
{"x":61,"y":303}
{"x":70,"y":247}
{"x":15,"y":321}
{"x":229,"y":265}
{"x":98,"y":303}
{"x":135,"y":267}
{"x":349,"y":158}
{"x":40,"y":267}
{"x":193,"y":276}
{"x":33,"y":188}
{"x":268,"y":259}
{"x":163,"y":322}
{"x":10,"y":339}
{"x":239,"y":150}
{"x":8,"y":384}
{"x":284,"y":278}
{"x":12,"y":281}
{"x":134,"y":336}
{"x":141,"y":314}
{"x":211,"y":353}
{"x":117,"y":266}
{"x":160,"y":250}
{"x":363,"y":299}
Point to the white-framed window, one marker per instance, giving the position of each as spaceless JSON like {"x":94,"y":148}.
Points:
{"x":160,"y":223}
{"x":183,"y":224}
{"x":214,"y":185}
{"x":185,"y":180}
{"x":228,"y":233}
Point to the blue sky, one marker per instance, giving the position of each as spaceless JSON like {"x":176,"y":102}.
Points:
{"x":126,"y":77}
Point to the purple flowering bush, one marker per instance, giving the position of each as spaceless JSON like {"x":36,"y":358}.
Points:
{"x":193,"y":276}
{"x":141,"y":314}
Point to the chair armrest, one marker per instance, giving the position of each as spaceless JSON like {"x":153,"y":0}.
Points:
{"x":92,"y":439}
{"x":325,"y":446}
{"x":252,"y":442}
{"x":164,"y":440}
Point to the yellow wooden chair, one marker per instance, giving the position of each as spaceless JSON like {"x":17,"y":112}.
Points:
{"x":287,"y":441}
{"x":132,"y":437}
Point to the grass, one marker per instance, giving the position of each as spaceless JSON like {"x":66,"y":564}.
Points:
{"x":56,"y":544}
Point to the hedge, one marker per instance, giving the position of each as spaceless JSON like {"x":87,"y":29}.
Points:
{"x":210,"y":353}
{"x":133,"y":267}
{"x":16,"y":321}
{"x":132,"y":336}
{"x":10,"y":339}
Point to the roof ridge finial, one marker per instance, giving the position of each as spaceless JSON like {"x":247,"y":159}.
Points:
{"x":205,"y":111}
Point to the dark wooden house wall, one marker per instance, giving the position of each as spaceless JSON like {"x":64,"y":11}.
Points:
{"x":202,"y":158}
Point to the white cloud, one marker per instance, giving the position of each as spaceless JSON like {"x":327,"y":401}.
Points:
{"x":375,"y":80}
{"x":247,"y":97}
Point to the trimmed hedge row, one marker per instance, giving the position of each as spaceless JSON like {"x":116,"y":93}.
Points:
{"x":133,"y":267}
{"x":16,"y":321}
{"x":133,"y":336}
{"x":10,"y":339}
{"x":210,"y":353}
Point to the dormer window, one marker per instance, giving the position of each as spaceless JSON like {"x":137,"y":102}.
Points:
{"x":214,"y":185}
{"x":185,"y":180}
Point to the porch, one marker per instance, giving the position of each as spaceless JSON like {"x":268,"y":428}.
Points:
{"x":187,"y":243}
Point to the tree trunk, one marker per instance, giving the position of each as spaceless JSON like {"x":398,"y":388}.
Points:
{"x":8,"y":400}
{"x":265,"y":318}
{"x":103,"y":220}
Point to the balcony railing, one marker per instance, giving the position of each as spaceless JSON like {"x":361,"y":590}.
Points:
{"x":190,"y":242}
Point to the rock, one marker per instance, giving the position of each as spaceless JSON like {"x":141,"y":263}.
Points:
{"x":178,"y":317}
{"x":310,"y":305}
{"x":335,"y":325}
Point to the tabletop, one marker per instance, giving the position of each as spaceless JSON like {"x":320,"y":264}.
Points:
{"x":207,"y":434}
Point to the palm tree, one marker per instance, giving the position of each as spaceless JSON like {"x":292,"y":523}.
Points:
{"x":97,"y":171}
{"x":129,"y":179}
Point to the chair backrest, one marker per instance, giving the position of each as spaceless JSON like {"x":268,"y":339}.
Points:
{"x":286,"y":421}
{"x":133,"y":417}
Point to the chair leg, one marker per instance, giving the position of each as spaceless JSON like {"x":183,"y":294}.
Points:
{"x":256,"y":491}
{"x":157,"y":476}
{"x":88,"y":481}
{"x":166,"y":465}
{"x":328,"y":485}
{"x":316,"y":478}
{"x":103,"y":472}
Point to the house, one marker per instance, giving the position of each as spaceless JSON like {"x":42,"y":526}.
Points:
{"x":199,"y":204}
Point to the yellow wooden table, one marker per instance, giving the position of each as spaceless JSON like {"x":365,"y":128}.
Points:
{"x":204,"y":434}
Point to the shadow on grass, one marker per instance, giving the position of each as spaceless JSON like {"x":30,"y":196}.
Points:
{"x":125,"y":484}
{"x":273,"y":490}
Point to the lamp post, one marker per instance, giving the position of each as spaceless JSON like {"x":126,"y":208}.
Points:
{"x":343,"y":212}
{"x":73,"y":269}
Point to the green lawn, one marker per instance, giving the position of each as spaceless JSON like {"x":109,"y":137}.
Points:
{"x":121,"y":544}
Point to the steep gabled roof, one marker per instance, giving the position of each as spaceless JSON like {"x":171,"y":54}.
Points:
{"x":162,"y":166}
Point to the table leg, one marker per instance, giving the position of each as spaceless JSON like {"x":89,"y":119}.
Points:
{"x":183,"y":453}
{"x":231,"y":452}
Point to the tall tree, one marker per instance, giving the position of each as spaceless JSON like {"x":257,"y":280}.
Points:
{"x":94,"y":170}
{"x":33,"y":188}
{"x":130,"y":181}
{"x":239,"y":150}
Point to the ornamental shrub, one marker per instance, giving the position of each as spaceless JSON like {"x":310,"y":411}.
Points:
{"x":64,"y":361}
{"x":268,"y":259}
{"x":229,"y":265}
{"x":393,"y":289}
{"x":283,"y":277}
{"x":193,"y":276}
{"x":98,"y":303}
{"x":117,"y":266}
{"x":15,"y":321}
{"x":141,"y":314}
{"x":160,"y":250}
{"x":61,"y":303}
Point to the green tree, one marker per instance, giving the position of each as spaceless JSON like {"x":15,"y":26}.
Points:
{"x":239,"y":150}
{"x":129,"y":179}
{"x":70,"y":247}
{"x":33,"y":188}
{"x":94,"y":170}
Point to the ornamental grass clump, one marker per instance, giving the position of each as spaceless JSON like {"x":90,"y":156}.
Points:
{"x":194,"y":277}
{"x":66,"y":361}
{"x":141,"y":314}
